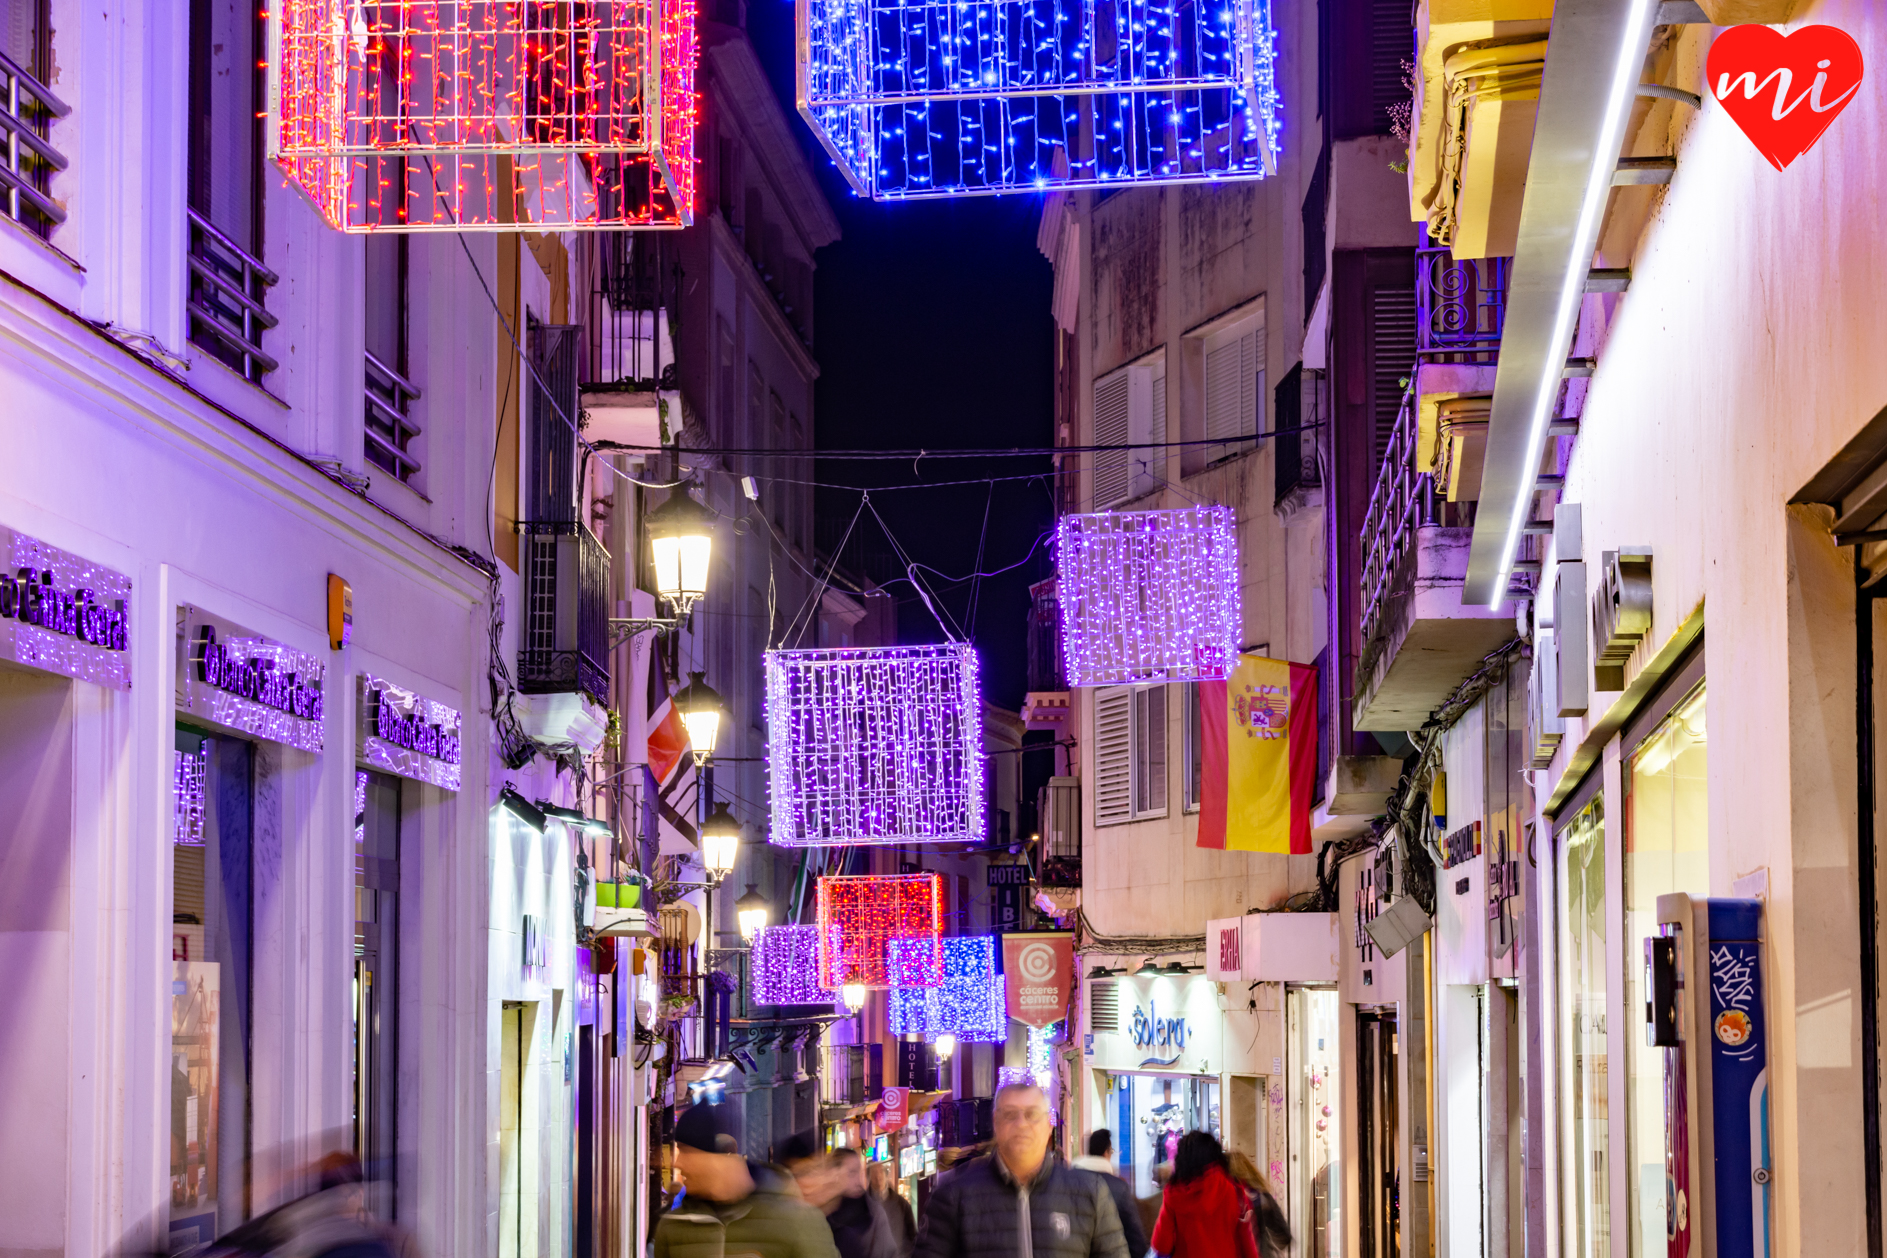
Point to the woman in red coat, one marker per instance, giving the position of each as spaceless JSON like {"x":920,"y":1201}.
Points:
{"x":1204,"y":1212}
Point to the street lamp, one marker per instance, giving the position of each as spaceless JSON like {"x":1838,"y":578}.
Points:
{"x":699,"y":708}
{"x":681,"y":537}
{"x":853,"y":994}
{"x":720,"y":843}
{"x":752,"y":911}
{"x":946,"y":1046}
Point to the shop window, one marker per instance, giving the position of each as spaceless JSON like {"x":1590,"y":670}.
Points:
{"x":1129,"y":754}
{"x":1151,"y":1113}
{"x":1315,"y":1185}
{"x":1192,"y":779}
{"x":1666,"y":816}
{"x":1585,"y":1162}
{"x":210,"y":950}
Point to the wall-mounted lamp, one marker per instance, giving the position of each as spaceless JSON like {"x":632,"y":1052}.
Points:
{"x":521,"y":808}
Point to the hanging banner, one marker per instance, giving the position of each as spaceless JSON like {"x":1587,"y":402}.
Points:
{"x":1036,"y":968}
{"x":894,"y":1110}
{"x":1258,"y":736}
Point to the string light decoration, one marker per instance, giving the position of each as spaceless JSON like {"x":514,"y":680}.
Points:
{"x":987,"y":96}
{"x":875,"y":745}
{"x":785,"y":963}
{"x":968,"y":1004}
{"x":1148,"y":596}
{"x":427,"y":115}
{"x":860,"y":916}
{"x":189,"y":786}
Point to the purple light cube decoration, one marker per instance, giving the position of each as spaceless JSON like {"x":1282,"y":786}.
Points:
{"x":875,"y":745}
{"x":786,"y":967}
{"x":1148,"y":596}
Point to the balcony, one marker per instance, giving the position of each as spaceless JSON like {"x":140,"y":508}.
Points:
{"x":227,"y":291}
{"x":851,"y":1074}
{"x":564,"y":639}
{"x":1059,"y":808}
{"x":629,"y":391}
{"x":1459,"y":306}
{"x":27,"y":111}
{"x":1047,"y":704}
{"x":1419,"y":641}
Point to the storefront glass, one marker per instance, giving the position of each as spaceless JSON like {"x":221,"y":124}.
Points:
{"x":1666,"y":825}
{"x":1152,"y":1112}
{"x":1584,"y":1164}
{"x":210,"y":953}
{"x":1316,"y":1169}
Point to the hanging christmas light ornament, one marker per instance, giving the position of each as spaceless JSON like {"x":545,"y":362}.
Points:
{"x":786,"y":967}
{"x":1148,"y":596}
{"x":861,"y":916}
{"x":875,"y":745}
{"x":1006,"y":95}
{"x":395,"y":115}
{"x":969,"y":1004}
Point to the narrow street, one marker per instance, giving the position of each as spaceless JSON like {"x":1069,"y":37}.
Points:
{"x":965,"y":629}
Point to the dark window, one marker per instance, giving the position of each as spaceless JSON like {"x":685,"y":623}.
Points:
{"x":392,"y":435}
{"x":376,"y":972}
{"x":1316,"y":207}
{"x":228,"y":283}
{"x":27,"y":111}
{"x":1368,"y":42}
{"x":553,"y":447}
{"x":1391,"y":315}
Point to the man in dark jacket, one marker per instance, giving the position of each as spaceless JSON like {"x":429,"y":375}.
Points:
{"x":1019,"y":1200}
{"x":731,"y":1205}
{"x":1100,"y":1160}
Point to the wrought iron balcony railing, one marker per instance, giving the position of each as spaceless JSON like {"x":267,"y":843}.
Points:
{"x":1459,"y":306}
{"x":389,"y":422}
{"x":565,"y":645}
{"x":1046,"y":671}
{"x":850,"y":1074}
{"x":227,"y":291}
{"x":1403,"y":501}
{"x":27,"y":111}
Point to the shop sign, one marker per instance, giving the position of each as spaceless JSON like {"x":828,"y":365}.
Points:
{"x":407,"y":734}
{"x":242,"y":681}
{"x":1174,"y":1026}
{"x":64,"y":614}
{"x":894,"y":1110}
{"x":1272,"y":948}
{"x":1036,"y":970}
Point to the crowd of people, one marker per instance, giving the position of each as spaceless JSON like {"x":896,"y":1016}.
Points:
{"x":1013,"y":1198}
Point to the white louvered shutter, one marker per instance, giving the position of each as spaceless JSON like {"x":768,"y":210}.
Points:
{"x":1235,"y":363}
{"x":1146,"y":422}
{"x":1111,"y":467}
{"x":1113,"y":755}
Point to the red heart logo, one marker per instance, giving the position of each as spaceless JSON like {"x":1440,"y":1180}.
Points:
{"x":1784,"y":90}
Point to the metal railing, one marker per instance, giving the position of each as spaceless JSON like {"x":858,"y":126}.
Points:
{"x":1046,"y":671}
{"x":27,"y":111}
{"x":227,"y":290}
{"x":390,"y":429}
{"x":1403,"y":501}
{"x":850,"y":1073}
{"x":566,"y":611}
{"x":1459,"y":306}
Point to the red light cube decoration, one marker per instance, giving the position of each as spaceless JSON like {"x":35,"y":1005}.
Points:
{"x":438,"y":115}
{"x":859,"y":918}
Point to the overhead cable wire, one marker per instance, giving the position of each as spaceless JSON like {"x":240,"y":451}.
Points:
{"x":997,"y":452}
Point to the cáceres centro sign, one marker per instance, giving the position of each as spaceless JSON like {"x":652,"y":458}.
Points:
{"x":1037,"y":968}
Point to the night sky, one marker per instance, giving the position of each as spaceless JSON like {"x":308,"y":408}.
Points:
{"x":933,"y":331}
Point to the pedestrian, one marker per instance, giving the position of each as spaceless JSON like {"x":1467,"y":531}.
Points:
{"x":1204,"y":1213}
{"x":1020,"y":1200}
{"x":860,"y":1226}
{"x":1100,"y":1160}
{"x":730,"y":1205}
{"x":884,"y":1186}
{"x":1269,"y":1226}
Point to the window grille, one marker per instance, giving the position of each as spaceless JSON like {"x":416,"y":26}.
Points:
{"x":27,"y":111}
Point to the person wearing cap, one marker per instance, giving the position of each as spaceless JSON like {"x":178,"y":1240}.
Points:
{"x":730,"y":1207}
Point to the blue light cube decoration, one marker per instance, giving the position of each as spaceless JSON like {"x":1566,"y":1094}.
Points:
{"x":875,"y":745}
{"x":956,"y":97}
{"x":970,"y":1003}
{"x":785,"y":969}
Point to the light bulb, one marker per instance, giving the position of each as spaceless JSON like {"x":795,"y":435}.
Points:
{"x":853,"y":994}
{"x":946,"y":1046}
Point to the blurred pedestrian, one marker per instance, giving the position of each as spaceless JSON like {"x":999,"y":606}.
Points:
{"x":1204,"y":1213}
{"x":330,"y":1222}
{"x":1269,"y":1226}
{"x":1100,"y":1160}
{"x":730,"y":1205}
{"x":834,"y":1184}
{"x":884,"y":1186}
{"x":1020,"y":1200}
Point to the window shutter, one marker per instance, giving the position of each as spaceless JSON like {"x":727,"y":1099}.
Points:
{"x":1113,"y":756}
{"x":1146,"y":422}
{"x":1110,"y":429}
{"x":1149,"y":758}
{"x":1235,"y":363}
{"x":1222,"y":389}
{"x":1392,"y":346}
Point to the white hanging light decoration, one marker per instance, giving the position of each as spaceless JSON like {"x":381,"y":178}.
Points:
{"x":875,"y":745}
{"x":1148,"y":596}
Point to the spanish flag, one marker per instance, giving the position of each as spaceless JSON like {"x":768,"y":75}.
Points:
{"x":1258,"y":736}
